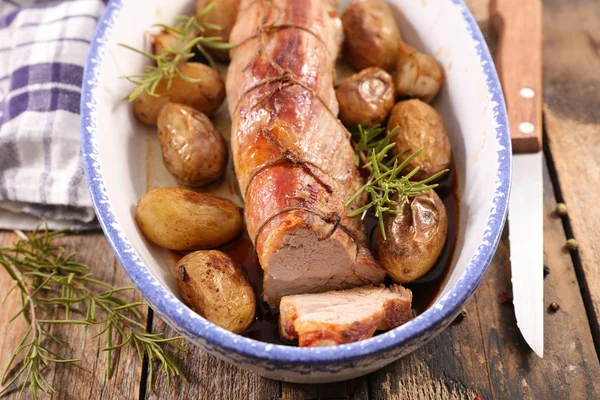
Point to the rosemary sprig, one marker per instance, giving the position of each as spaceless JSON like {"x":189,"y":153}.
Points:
{"x":188,"y":34}
{"x":367,"y":138}
{"x":388,"y":189}
{"x":46,"y":279}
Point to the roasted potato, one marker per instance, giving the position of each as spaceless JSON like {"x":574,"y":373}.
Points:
{"x":205,"y":96}
{"x":181,"y":219}
{"x":414,"y":238}
{"x":164,"y":40}
{"x":224,"y":15}
{"x":366,"y":96}
{"x":372,"y":34}
{"x":417,"y":74}
{"x":193,"y":151}
{"x":420,"y":126}
{"x":217,"y":287}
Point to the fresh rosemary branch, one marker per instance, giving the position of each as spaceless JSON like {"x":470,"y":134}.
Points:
{"x":367,"y":138}
{"x":46,"y":279}
{"x":388,"y":189}
{"x":187,"y":32}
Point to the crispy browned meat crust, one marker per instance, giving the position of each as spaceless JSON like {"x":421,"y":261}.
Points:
{"x":339,"y":317}
{"x":293,"y":158}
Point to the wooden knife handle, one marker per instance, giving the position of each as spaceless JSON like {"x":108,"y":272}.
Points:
{"x":519,"y":63}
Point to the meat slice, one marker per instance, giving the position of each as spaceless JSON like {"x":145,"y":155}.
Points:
{"x":293,"y":158}
{"x":344,"y":316}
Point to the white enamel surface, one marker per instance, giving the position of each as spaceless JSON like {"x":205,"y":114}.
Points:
{"x":129,"y":157}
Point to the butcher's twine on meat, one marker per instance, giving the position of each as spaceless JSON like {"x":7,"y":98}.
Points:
{"x":43,"y":50}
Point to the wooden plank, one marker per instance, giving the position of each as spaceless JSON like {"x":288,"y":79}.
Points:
{"x":11,"y":333}
{"x":451,"y":366}
{"x":70,"y":382}
{"x":572,"y":117}
{"x":570,"y":368}
{"x":355,"y":389}
{"x":208,"y":377}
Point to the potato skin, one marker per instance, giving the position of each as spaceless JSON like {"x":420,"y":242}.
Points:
{"x":418,"y":75}
{"x":223,"y":14}
{"x":372,"y":34}
{"x":182,"y":219}
{"x":217,"y":288}
{"x":205,"y":96}
{"x":193,"y":151}
{"x":367,"y":95}
{"x":162,"y":41}
{"x":421,"y":126}
{"x":415,"y":238}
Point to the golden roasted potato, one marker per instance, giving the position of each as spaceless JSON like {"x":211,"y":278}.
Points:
{"x":224,"y":15}
{"x":205,"y":96}
{"x":182,"y":219}
{"x":414,"y":238}
{"x":217,"y":287}
{"x":372,"y":34}
{"x":420,"y":126}
{"x":164,"y":40}
{"x":193,"y":151}
{"x":366,"y":96}
{"x":417,"y":74}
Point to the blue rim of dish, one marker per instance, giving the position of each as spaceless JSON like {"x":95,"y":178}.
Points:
{"x":187,"y":321}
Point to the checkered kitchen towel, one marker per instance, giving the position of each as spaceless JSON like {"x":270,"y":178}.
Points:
{"x":43,"y":50}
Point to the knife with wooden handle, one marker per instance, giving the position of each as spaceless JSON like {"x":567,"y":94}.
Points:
{"x":519,"y":63}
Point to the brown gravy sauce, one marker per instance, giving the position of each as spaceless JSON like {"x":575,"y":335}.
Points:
{"x":424,"y":290}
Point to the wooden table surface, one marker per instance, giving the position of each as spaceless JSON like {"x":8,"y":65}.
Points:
{"x":483,"y":355}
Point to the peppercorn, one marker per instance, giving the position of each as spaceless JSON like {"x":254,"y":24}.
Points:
{"x":572,"y":244}
{"x":461,"y":316}
{"x":505,"y":297}
{"x":561,"y":209}
{"x":546,"y":270}
{"x":554,"y":307}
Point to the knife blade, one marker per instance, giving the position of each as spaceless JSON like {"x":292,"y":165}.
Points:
{"x":519,"y":63}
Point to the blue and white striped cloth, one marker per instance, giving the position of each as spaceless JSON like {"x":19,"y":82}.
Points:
{"x":43,"y":50}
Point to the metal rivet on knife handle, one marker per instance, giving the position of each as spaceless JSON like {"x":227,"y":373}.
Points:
{"x":526,"y":127}
{"x":527,"y":93}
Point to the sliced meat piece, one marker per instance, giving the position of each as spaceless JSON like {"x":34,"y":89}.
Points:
{"x":293,"y":158}
{"x":344,"y":316}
